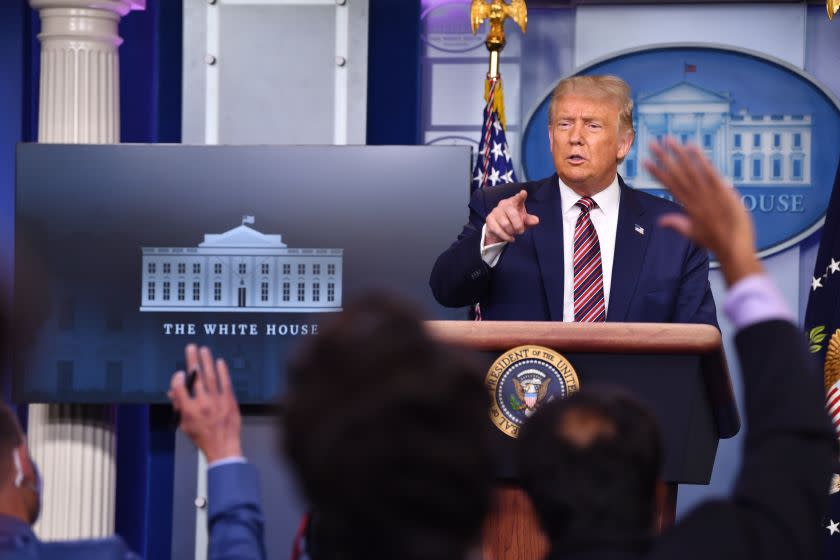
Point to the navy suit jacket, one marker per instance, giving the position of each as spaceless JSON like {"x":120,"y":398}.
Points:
{"x":658,"y":276}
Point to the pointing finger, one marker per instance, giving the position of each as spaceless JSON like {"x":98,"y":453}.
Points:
{"x":515,"y":218}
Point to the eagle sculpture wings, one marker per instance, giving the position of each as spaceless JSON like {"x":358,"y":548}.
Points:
{"x":498,"y":11}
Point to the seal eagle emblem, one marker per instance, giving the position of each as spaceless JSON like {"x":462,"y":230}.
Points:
{"x":522,"y":379}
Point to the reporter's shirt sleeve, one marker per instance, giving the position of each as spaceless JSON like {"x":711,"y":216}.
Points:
{"x":755,"y":299}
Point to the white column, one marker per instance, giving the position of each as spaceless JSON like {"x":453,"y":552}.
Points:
{"x":698,"y":131}
{"x":75,"y":445}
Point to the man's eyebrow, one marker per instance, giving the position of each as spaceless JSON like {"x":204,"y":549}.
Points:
{"x":582,"y":117}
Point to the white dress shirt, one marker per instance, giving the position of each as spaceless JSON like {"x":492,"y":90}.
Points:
{"x":605,"y":219}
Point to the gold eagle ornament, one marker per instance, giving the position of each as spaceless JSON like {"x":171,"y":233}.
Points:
{"x":831,"y":6}
{"x":497,"y":12}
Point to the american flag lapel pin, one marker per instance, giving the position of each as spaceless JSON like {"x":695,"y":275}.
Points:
{"x":639,"y":229}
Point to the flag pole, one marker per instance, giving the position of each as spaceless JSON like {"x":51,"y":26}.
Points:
{"x":493,"y":166}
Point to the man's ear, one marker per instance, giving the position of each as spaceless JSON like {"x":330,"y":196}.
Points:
{"x":17,"y":464}
{"x":625,"y":142}
{"x":22,"y":463}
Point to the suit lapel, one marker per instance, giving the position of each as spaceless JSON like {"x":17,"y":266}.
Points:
{"x":631,"y":240}
{"x":548,"y":242}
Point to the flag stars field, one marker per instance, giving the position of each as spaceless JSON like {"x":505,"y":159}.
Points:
{"x":494,"y":176}
{"x":816,"y":281}
{"x":497,"y":150}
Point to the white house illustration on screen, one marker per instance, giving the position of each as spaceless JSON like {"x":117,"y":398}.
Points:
{"x":750,"y":150}
{"x":241,"y":270}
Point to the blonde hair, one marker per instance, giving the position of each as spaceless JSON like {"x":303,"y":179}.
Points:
{"x":610,"y":87}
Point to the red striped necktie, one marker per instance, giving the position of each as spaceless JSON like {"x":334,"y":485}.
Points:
{"x":589,"y":280}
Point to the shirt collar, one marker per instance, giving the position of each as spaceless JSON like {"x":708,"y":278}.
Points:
{"x":607,"y":200}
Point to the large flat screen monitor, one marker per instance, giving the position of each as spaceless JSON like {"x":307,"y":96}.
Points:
{"x":248,"y":249}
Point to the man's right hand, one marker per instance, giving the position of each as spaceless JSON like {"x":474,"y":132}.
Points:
{"x":508,"y":219}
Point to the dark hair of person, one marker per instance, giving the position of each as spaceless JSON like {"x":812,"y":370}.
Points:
{"x":595,"y":488}
{"x":387,"y":431}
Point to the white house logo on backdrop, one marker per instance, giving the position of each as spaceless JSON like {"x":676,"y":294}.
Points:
{"x":241,"y":270}
{"x":750,"y":150}
{"x":768,"y":127}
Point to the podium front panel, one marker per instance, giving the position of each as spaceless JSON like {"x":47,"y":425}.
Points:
{"x":671,"y":386}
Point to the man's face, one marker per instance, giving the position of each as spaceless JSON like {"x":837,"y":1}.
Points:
{"x":586,"y":142}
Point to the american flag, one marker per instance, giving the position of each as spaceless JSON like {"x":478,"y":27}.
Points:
{"x":831,"y":521}
{"x":493,"y":164}
{"x":822,"y":319}
{"x":832,"y":404}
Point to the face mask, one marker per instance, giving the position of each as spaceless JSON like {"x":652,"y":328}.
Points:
{"x":35,"y":487}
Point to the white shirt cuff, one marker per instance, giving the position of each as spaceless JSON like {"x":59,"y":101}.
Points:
{"x":491,"y":253}
{"x":226,"y":461}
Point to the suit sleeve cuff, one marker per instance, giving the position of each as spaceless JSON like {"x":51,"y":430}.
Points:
{"x":230,"y":486}
{"x":226,"y":461}
{"x":755,"y":299}
{"x":490,"y":253}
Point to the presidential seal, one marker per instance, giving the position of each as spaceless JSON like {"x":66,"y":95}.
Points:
{"x":522,"y":379}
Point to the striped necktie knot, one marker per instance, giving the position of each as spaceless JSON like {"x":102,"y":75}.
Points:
{"x":585,"y":204}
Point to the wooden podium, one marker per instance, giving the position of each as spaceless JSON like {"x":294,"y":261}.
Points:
{"x":678,"y":370}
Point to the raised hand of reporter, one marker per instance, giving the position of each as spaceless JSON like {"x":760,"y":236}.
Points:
{"x":714,"y":215}
{"x":210,"y":417}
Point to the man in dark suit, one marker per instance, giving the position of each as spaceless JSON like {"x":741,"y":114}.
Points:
{"x":590,"y":463}
{"x":580,"y":245}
